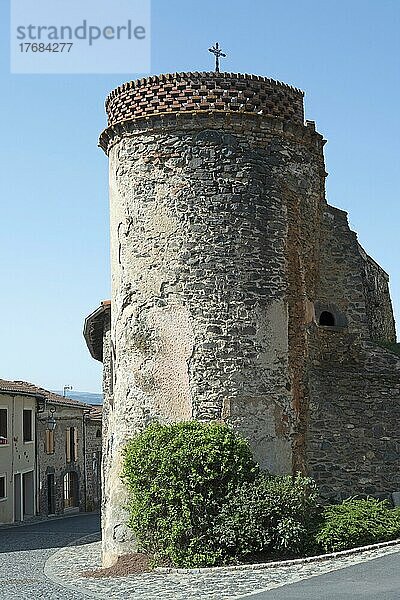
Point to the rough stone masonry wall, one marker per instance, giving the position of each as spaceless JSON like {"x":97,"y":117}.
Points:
{"x":116,"y":538}
{"x":351,"y":282}
{"x":305,"y":203}
{"x":341,"y":285}
{"x":353,"y":443}
{"x":378,"y":303}
{"x":199,"y":243}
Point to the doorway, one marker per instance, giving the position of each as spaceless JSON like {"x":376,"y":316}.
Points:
{"x":51,"y":495}
{"x":28,"y":492}
{"x":17,"y":497}
{"x":71,"y":491}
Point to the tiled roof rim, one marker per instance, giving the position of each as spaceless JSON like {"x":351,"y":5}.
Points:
{"x":25,"y":388}
{"x":165,"y":77}
{"x":49,"y":400}
{"x":36,"y":394}
{"x":21,"y":392}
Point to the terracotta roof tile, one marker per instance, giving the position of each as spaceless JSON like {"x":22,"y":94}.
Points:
{"x":95,"y":412}
{"x":24,"y":387}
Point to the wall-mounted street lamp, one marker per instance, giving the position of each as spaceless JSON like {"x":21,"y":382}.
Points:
{"x":51,"y":421}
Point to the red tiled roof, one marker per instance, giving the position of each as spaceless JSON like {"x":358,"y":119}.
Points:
{"x":95,"y":412}
{"x":24,"y":387}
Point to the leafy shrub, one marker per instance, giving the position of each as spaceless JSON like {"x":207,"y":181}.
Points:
{"x":391,"y":346}
{"x":271,"y":515}
{"x":357,"y":523}
{"x":178,"y":477}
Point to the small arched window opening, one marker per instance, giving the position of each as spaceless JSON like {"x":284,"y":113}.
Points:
{"x":326,"y":319}
{"x":98,"y":433}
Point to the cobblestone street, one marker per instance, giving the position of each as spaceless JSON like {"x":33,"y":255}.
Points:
{"x":25,"y":549}
{"x":37,"y":562}
{"x":67,"y":565}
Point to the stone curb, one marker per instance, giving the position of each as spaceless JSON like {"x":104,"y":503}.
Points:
{"x":281,"y":563}
{"x":39,"y":521}
{"x":51,"y":572}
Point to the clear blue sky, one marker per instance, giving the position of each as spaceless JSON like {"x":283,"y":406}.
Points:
{"x":54,"y":256}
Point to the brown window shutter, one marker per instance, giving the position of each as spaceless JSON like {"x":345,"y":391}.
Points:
{"x":49,"y":443}
{"x":68,"y":443}
{"x":75,"y":443}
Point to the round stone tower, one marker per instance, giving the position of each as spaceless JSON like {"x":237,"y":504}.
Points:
{"x":216,"y":193}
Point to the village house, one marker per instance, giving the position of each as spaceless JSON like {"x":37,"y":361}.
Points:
{"x":50,"y":453}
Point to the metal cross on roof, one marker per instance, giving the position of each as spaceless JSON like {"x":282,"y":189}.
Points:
{"x":216,"y":50}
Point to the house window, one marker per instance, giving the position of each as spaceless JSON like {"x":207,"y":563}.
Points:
{"x":327,"y":319}
{"x":49,"y":442}
{"x":71,"y":490}
{"x":98,"y":433}
{"x":3,"y":426}
{"x":71,"y":444}
{"x":3,"y":487}
{"x":27,"y":425}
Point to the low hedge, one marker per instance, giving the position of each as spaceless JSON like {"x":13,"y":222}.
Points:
{"x":357,"y":523}
{"x":271,"y":516}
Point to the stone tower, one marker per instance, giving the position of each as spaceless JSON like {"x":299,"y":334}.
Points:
{"x":229,"y":271}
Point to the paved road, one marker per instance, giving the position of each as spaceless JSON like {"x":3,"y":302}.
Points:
{"x":378,"y":579}
{"x":24,"y":550}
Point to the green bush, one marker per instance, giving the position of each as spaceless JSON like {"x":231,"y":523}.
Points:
{"x":272,"y":516}
{"x":357,"y":523}
{"x":178,"y":477}
{"x":391,"y":346}
{"x":197,"y":498}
